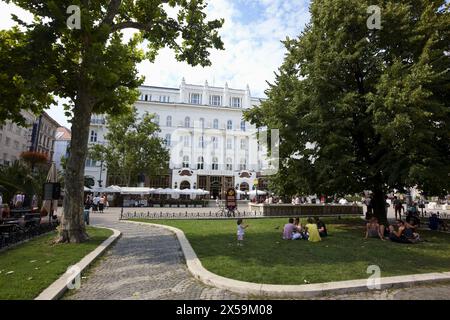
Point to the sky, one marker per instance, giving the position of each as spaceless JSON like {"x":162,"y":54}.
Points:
{"x":251,"y":34}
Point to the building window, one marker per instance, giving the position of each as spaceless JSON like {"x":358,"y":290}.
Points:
{"x":243,"y":144}
{"x":167,"y":140}
{"x":164,"y":98}
{"x":186,"y":141}
{"x":229,"y":125}
{"x":169,"y":121}
{"x":229,"y":164}
{"x":229,"y":143}
{"x":201,"y":142}
{"x":200,"y":163}
{"x":215,"y":142}
{"x":243,"y":164}
{"x":202,"y":123}
{"x":195,"y":98}
{"x":242,"y":125}
{"x":215,"y":164}
{"x":93,"y":136}
{"x":187,"y":122}
{"x":185,"y":163}
{"x":236,"y":102}
{"x":216,"y":124}
{"x":16,"y":145}
{"x":156,"y":119}
{"x":91,"y":163}
{"x":215,"y":100}
{"x":146,"y":97}
{"x":7,"y":141}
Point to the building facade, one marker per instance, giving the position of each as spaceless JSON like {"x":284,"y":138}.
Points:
{"x":43,"y":136}
{"x":15,"y":139}
{"x":62,"y":142}
{"x":211,"y":146}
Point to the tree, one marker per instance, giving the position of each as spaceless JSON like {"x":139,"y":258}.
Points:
{"x":362,"y":109}
{"x":92,"y":66}
{"x":132,"y":148}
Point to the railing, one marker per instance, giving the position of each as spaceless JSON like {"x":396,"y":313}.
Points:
{"x":13,"y":231}
{"x":221,"y":213}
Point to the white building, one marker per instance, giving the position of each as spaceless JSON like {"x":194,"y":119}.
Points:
{"x":62,"y":142}
{"x":211,"y":146}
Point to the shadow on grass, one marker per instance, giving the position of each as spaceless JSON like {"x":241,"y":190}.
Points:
{"x":344,"y":255}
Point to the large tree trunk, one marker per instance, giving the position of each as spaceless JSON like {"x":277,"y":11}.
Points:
{"x":72,"y":226}
{"x":379,"y":206}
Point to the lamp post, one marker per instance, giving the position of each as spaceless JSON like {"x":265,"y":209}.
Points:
{"x":101,"y":170}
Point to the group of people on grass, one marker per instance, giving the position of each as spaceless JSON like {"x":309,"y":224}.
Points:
{"x":312,"y":231}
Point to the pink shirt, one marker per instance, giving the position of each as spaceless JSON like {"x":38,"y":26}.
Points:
{"x":287,"y":231}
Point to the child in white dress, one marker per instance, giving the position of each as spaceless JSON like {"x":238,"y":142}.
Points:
{"x":240,"y":231}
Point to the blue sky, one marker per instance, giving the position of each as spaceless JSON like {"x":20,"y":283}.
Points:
{"x":251,"y":34}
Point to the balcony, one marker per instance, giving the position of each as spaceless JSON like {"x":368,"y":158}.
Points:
{"x":98,"y":121}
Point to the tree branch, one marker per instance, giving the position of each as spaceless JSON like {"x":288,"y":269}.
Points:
{"x":113,"y":8}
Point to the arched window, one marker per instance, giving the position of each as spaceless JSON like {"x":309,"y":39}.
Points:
{"x":167,"y":140}
{"x":242,"y":125}
{"x":229,"y":125}
{"x":187,"y":141}
{"x":169,"y":121}
{"x":200,"y":163}
{"x":229,"y":143}
{"x":185,"y":185}
{"x":187,"y":122}
{"x":215,"y":163}
{"x":202,"y":123}
{"x":185,"y":163}
{"x":216,"y":124}
{"x":243,"y":164}
{"x":229,"y":164}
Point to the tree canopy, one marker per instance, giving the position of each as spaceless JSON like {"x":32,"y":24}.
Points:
{"x":133,"y":147}
{"x":364,"y":109}
{"x":85,"y":59}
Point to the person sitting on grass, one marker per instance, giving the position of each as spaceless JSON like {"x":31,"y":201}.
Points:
{"x":374,"y":229}
{"x":321,"y":227}
{"x":399,"y":234}
{"x":241,"y":231}
{"x":410,"y":233}
{"x":289,"y":229}
{"x":313,"y":232}
{"x":437,"y":224}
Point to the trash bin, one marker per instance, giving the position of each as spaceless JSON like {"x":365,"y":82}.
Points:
{"x":86,"y":216}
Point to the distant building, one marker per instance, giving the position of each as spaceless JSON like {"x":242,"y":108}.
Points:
{"x":62,"y":142}
{"x":15,"y":139}
{"x":44,"y":133}
{"x":211,"y":146}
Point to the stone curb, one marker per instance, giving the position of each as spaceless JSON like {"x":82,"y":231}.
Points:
{"x":59,"y":287}
{"x":290,"y":291}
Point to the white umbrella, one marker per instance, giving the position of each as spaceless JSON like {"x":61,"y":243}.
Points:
{"x":257,"y":192}
{"x":135,"y":190}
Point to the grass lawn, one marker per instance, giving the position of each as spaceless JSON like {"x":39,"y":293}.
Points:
{"x":344,"y":255}
{"x":38,"y":263}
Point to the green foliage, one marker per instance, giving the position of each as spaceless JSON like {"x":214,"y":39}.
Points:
{"x":38,"y":263}
{"x":362,"y":109}
{"x":344,"y":255}
{"x":133,"y":148}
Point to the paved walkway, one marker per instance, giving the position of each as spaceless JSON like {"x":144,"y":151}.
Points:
{"x":147,"y":263}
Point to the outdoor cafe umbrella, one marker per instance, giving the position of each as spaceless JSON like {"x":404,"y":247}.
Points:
{"x":47,"y":206}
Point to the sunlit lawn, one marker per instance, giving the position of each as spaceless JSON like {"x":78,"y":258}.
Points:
{"x":344,"y":255}
{"x":29,"y":268}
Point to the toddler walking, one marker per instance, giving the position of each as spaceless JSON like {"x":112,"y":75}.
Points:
{"x":240,"y":231}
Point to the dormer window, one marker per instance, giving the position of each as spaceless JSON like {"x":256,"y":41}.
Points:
{"x":195,"y":98}
{"x":215,"y":100}
{"x":235,"y":102}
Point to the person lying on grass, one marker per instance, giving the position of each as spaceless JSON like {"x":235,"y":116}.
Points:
{"x":374,"y":229}
{"x":403,"y":234}
{"x":312,"y":230}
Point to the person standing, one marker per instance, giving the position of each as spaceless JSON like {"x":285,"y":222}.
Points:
{"x":101,"y":204}
{"x":398,"y":207}
{"x":241,"y":231}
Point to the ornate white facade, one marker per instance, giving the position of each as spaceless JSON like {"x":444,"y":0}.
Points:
{"x":210,"y":144}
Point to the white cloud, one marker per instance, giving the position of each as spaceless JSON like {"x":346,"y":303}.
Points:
{"x":253,"y":50}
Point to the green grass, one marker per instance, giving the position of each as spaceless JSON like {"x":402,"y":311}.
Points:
{"x":344,"y":255}
{"x":38,"y":263}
